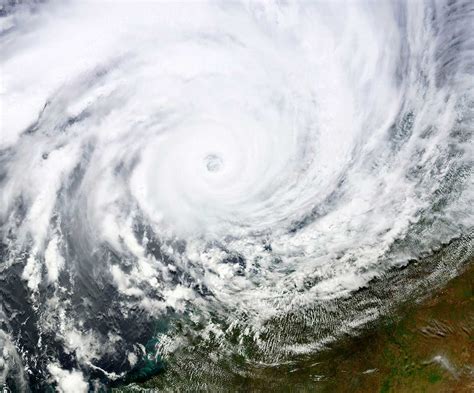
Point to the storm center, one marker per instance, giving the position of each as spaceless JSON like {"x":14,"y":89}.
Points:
{"x":213,"y":162}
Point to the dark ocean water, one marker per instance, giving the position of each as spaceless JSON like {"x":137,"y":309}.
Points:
{"x":243,"y":183}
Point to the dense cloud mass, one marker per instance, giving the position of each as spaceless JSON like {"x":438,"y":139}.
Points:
{"x":191,"y":174}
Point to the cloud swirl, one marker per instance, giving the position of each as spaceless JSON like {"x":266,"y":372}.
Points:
{"x":221,"y":165}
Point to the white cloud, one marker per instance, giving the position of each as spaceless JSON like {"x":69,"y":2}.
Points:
{"x":68,"y":381}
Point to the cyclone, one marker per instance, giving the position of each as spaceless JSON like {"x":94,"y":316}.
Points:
{"x":251,"y":179}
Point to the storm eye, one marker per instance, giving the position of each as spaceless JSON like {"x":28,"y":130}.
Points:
{"x":213,"y":162}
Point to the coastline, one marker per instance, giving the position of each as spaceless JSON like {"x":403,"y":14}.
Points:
{"x":425,"y":345}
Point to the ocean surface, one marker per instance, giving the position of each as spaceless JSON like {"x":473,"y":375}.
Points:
{"x":204,"y":186}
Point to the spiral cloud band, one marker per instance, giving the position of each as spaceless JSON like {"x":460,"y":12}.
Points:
{"x":213,"y":168}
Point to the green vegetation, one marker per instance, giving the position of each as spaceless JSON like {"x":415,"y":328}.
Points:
{"x":426,"y":347}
